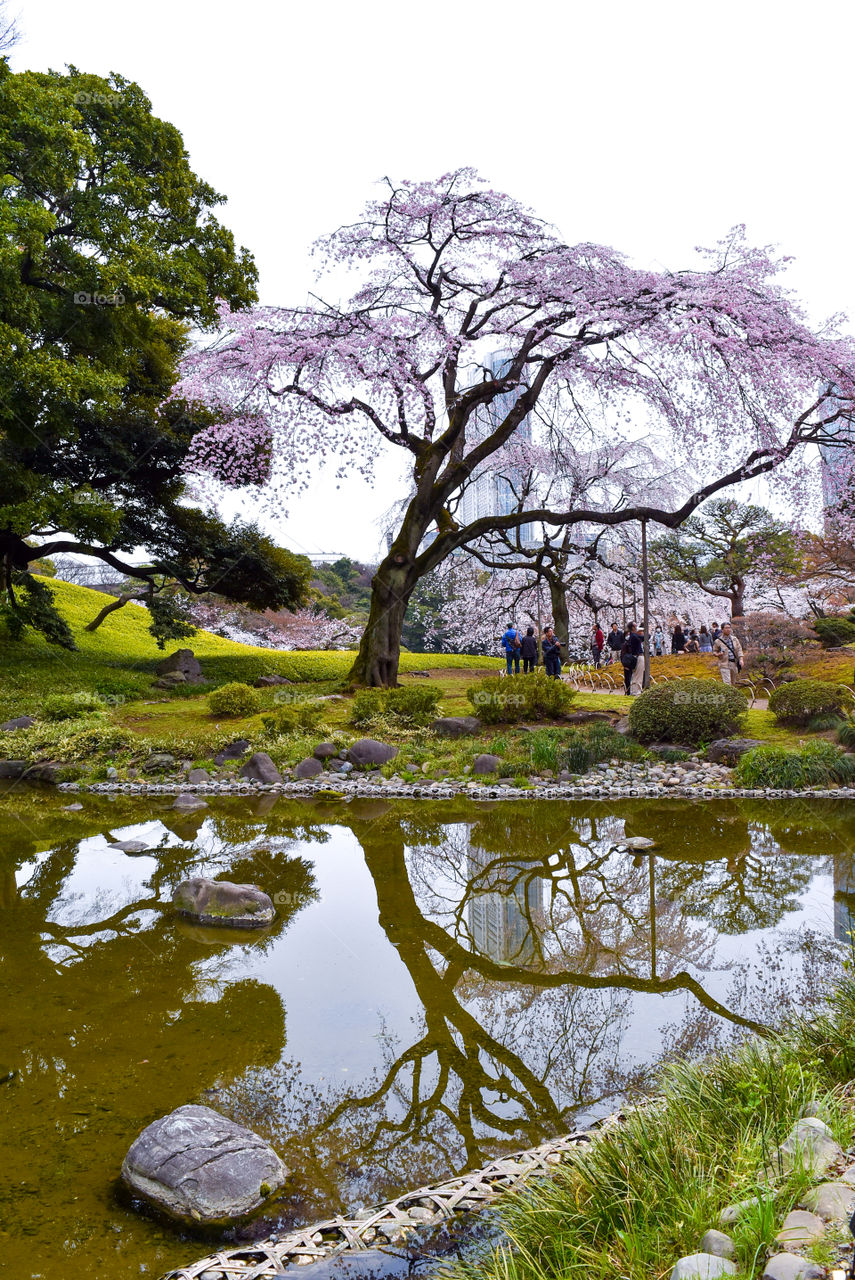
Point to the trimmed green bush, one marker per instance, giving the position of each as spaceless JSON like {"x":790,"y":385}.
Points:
{"x":688,"y":711}
{"x":413,"y":706}
{"x":500,"y":700}
{"x":813,"y":765}
{"x":368,"y":704}
{"x":292,"y":717}
{"x":71,"y":706}
{"x":835,"y":631}
{"x":802,"y":700}
{"x":234,"y":699}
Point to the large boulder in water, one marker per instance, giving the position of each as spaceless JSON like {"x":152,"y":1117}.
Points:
{"x":219,"y":902}
{"x":197,"y":1166}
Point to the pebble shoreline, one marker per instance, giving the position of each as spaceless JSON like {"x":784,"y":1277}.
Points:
{"x":712,"y":781}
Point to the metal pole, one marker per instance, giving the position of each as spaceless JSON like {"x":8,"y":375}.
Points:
{"x":646,"y":681}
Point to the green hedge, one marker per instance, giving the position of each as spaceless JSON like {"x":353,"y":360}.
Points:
{"x":688,"y":711}
{"x":234,"y":699}
{"x":507,"y":700}
{"x":803,"y":700}
{"x":836,"y":631}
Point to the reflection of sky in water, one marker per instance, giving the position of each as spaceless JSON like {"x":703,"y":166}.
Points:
{"x":338,"y":975}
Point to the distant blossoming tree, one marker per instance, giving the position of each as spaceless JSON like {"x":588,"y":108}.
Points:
{"x":718,"y":362}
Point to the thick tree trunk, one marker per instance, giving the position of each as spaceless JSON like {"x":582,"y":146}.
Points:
{"x":560,"y":614}
{"x":376,"y":663}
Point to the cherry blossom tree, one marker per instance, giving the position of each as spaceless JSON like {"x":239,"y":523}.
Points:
{"x":716,"y":360}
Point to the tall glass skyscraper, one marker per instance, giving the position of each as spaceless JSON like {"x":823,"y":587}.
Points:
{"x":494,"y":486}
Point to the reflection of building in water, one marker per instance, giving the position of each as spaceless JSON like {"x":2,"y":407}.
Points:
{"x":500,"y":922}
{"x":844,"y":896}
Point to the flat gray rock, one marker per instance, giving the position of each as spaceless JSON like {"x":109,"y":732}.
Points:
{"x":198,"y":775}
{"x":219,"y":902}
{"x":811,"y":1144}
{"x":13,"y":768}
{"x":159,"y":761}
{"x":800,"y":1228}
{"x":789,"y":1266}
{"x":128,"y":846}
{"x":717,"y":1243}
{"x":325,"y":751}
{"x":260,"y":768}
{"x":486,"y":763}
{"x":456,"y":726}
{"x":197,"y":1166}
{"x":733,"y":1212}
{"x":832,"y":1201}
{"x":308,"y":768}
{"x":19,"y":722}
{"x":368,"y":752}
{"x":702,"y":1266}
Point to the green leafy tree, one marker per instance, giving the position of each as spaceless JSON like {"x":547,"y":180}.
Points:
{"x":109,"y":256}
{"x":720,"y":548}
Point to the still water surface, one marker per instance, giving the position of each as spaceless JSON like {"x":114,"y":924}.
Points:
{"x":444,"y":981}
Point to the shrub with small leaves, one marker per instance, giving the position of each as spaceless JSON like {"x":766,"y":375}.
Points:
{"x":292,"y":717}
{"x":71,"y":706}
{"x":836,"y":631}
{"x":234,"y":699}
{"x":688,"y":711}
{"x":499,"y":700}
{"x":801,"y":701}
{"x":411,"y":706}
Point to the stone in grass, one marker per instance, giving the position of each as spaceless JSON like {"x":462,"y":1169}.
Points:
{"x":811,"y":1145}
{"x":702,"y":1266}
{"x":719,"y":1244}
{"x":20,"y":722}
{"x":733,"y":1212}
{"x":832,"y":1201}
{"x":198,"y":775}
{"x":308,"y":768}
{"x":188,"y":803}
{"x":800,"y":1228}
{"x":486,"y":763}
{"x":158,"y":762}
{"x":197,"y":1166}
{"x":368,"y":753}
{"x":325,"y":751}
{"x":183,"y":661}
{"x":789,"y":1266}
{"x":219,"y":902}
{"x":730,"y":750}
{"x":456,"y":726}
{"x":233,"y":751}
{"x":260,"y":768}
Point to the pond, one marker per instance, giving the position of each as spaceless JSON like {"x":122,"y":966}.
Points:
{"x":445,"y":981}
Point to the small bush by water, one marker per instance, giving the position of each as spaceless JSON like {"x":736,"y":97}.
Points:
{"x":688,"y":711}
{"x":412,"y":705}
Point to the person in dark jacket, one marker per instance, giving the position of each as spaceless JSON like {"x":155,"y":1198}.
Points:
{"x":551,"y":646}
{"x":528,"y":651}
{"x":614,"y":640}
{"x":631,"y":654}
{"x":678,"y":639}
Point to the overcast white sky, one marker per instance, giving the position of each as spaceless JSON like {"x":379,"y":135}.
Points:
{"x":651,"y":126}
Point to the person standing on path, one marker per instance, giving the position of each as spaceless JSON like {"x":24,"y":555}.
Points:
{"x":678,"y":639}
{"x":614,"y":640}
{"x":597,"y":642}
{"x":658,"y":641}
{"x":512,"y":643}
{"x":551,"y":653}
{"x":637,"y":639}
{"x":705,"y":641}
{"x":728,"y":650}
{"x":528,"y":651}
{"x":630,"y":652}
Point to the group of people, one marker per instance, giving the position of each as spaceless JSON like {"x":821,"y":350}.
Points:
{"x":620,"y":645}
{"x":625,"y":645}
{"x":523,"y":649}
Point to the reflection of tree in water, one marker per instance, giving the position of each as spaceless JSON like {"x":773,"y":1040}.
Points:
{"x":506,"y":1050}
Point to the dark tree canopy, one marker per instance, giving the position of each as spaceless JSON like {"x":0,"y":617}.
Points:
{"x":109,"y":255}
